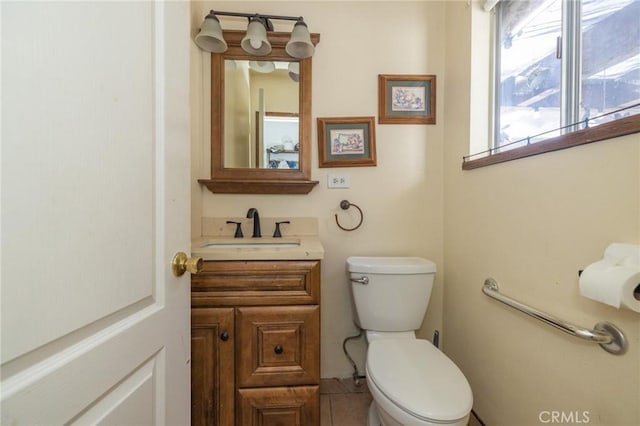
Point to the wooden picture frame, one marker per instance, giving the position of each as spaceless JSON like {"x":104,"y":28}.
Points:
{"x":406,"y":99}
{"x":346,"y":142}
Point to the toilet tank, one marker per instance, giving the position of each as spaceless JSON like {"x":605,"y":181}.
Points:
{"x":396,"y":295}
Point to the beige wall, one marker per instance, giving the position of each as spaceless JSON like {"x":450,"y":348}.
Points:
{"x":401,"y":197}
{"x":532,"y":224}
{"x":237,"y":119}
{"x":281,"y":93}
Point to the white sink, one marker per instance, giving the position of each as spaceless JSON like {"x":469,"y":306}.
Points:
{"x":248,"y":244}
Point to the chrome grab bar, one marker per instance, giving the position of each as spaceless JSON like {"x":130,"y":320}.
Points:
{"x":607,"y":335}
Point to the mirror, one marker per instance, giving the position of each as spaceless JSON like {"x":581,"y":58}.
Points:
{"x":260,"y":120}
{"x":254,"y":134}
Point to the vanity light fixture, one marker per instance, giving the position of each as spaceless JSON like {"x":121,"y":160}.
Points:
{"x":255,"y":42}
{"x":294,"y":71}
{"x":263,"y":67}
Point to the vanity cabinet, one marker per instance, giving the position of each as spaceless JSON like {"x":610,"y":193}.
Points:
{"x":255,"y":349}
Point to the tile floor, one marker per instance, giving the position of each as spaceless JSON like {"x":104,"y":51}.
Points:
{"x":342,"y":403}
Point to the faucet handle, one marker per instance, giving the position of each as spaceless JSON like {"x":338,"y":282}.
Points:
{"x":238,"y":233}
{"x":276,"y":233}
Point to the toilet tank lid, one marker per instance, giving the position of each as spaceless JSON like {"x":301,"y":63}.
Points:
{"x":390,"y":265}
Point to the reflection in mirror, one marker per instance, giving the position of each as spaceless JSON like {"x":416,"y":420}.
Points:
{"x":255,"y":135}
{"x":277,"y":143}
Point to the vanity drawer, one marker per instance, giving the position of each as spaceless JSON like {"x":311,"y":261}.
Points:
{"x":234,"y":283}
{"x":286,"y":406}
{"x":277,"y":345}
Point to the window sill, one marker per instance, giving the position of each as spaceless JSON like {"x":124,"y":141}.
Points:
{"x":621,"y":127}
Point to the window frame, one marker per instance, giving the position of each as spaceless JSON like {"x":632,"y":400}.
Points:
{"x":569,"y":106}
{"x":613,"y":129}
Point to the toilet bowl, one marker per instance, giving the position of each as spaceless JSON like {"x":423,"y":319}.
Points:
{"x":414,"y":383}
{"x":411,"y":381}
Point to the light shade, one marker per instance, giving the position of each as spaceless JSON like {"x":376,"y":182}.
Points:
{"x":256,"y":42}
{"x":294,"y":71}
{"x":263,"y":67}
{"x":210,"y":37}
{"x":300,"y":45}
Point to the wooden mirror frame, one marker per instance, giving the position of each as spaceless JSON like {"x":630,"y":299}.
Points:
{"x":259,"y":180}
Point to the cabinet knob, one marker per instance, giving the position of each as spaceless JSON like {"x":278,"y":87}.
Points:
{"x":278,"y":349}
{"x":224,"y":336}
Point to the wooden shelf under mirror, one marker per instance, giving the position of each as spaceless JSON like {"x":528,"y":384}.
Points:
{"x":239,"y":83}
{"x":246,"y":186}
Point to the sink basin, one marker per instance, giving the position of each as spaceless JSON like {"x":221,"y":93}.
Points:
{"x":258,"y":244}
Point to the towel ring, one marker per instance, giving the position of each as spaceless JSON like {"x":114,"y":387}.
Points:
{"x":344,"y":205}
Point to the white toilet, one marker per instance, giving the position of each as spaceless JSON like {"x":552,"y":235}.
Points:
{"x":412,"y":382}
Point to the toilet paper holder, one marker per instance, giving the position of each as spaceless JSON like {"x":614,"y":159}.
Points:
{"x":607,"y":335}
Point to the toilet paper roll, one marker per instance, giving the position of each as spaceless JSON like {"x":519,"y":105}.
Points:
{"x":615,"y":285}
{"x":623,"y":254}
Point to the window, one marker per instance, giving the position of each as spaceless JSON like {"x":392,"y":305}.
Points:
{"x":567,"y":72}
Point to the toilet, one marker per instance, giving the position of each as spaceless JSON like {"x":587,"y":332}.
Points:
{"x":411,"y":381}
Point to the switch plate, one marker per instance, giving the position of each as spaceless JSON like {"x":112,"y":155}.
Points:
{"x":338,"y":181}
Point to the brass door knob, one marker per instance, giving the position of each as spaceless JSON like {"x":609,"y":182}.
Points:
{"x":181,"y":263}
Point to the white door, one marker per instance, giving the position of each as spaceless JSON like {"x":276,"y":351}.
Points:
{"x":95,"y":182}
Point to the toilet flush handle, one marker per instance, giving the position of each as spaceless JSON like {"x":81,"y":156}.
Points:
{"x":363,"y":280}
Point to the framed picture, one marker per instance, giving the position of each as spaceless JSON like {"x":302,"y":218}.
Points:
{"x":406,"y":99}
{"x":346,"y":142}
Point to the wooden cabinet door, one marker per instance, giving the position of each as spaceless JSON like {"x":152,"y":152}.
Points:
{"x":281,"y":406}
{"x":278,"y":345}
{"x":212,"y":366}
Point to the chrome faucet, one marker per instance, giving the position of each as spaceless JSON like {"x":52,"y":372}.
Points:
{"x":253,"y":214}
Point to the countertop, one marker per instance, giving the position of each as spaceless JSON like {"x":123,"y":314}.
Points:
{"x":294,"y":247}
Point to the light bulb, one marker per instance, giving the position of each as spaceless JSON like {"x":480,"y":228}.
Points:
{"x":256,"y":44}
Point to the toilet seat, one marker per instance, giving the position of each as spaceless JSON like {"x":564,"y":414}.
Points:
{"x":418,"y":379}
